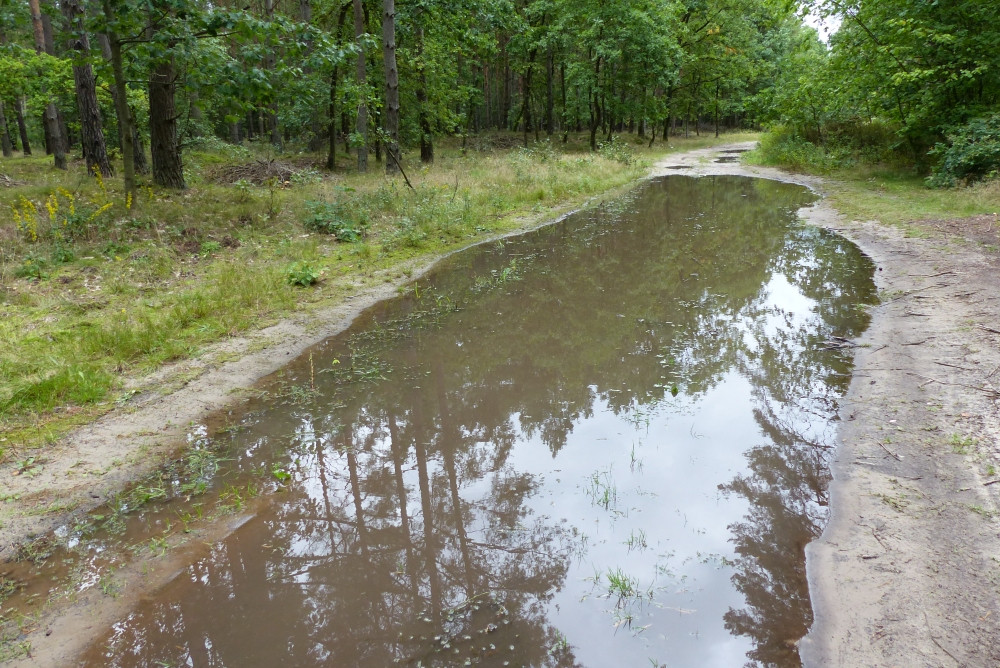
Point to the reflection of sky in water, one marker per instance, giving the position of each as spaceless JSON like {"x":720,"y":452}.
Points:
{"x":665,"y":463}
{"x":668,"y":499}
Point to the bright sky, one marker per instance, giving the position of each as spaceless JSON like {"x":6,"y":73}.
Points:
{"x":825,"y":27}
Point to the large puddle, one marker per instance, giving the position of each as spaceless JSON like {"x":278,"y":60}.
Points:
{"x":603,"y":443}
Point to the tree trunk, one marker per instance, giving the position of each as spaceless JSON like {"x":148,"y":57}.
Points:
{"x":138,"y":147}
{"x":64,"y":137}
{"x":716,"y":108}
{"x":164,"y":147}
{"x":549,"y":94}
{"x":315,"y":128}
{"x":54,"y":140}
{"x":361,"y":126}
{"x":36,"y":24}
{"x":426,"y":140}
{"x":270,"y":60}
{"x":564,"y":122}
{"x":391,"y":85}
{"x":5,"y":145}
{"x":331,"y":156}
{"x":95,"y":149}
{"x":595,"y":117}
{"x":22,"y":126}
{"x":526,"y":103}
{"x":120,"y":97}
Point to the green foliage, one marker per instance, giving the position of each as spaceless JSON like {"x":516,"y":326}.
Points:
{"x":972,"y":153}
{"x":616,"y":149}
{"x":918,"y":67}
{"x":340,"y":218}
{"x":302,"y":273}
{"x":33,"y":266}
{"x":839,"y":146}
{"x":785,"y":148}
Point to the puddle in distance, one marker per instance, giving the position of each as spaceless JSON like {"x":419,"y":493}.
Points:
{"x":603,"y":443}
{"x":727,"y":158}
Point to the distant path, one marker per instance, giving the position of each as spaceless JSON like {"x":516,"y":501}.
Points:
{"x":908,"y":571}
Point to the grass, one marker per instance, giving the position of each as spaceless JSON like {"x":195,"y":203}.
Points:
{"x":961,"y":445}
{"x":897,"y":199}
{"x":95,"y":290}
{"x":876,"y":187}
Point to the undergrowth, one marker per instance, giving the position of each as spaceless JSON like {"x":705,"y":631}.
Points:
{"x":873,"y":177}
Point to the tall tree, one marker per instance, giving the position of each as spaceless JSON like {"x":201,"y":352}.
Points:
{"x":361,"y":127}
{"x":126,"y":124}
{"x":91,"y":127}
{"x":391,"y":85}
{"x":22,"y":126}
{"x":164,"y":143}
{"x":5,"y":145}
{"x":423,"y":115}
{"x":56,"y":139}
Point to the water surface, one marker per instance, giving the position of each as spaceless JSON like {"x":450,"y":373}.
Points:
{"x":603,"y":443}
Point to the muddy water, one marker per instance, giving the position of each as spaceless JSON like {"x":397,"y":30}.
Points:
{"x":603,"y":443}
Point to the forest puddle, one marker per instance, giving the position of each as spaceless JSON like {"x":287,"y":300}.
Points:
{"x":601,"y":443}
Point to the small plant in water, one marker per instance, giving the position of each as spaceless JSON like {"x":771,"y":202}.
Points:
{"x":110,"y":586}
{"x":602,"y":490}
{"x":636,"y":540}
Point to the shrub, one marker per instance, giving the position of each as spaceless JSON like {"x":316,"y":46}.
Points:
{"x":972,"y":154}
{"x":302,"y":273}
{"x":616,"y":149}
{"x":337,"y":219}
{"x":783,"y":147}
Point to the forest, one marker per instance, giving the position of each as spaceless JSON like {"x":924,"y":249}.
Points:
{"x":114,"y":79}
{"x":177,"y":142}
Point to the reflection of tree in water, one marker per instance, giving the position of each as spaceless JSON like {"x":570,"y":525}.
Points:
{"x":406,"y":534}
{"x":787,"y":482}
{"x":376,"y":557}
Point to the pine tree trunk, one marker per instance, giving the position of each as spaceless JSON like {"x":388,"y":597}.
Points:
{"x":22,"y":126}
{"x":361,"y":126}
{"x":138,"y":147}
{"x":270,"y":60}
{"x":95,"y":149}
{"x":54,"y":140}
{"x":5,"y":145}
{"x":58,"y":141}
{"x":391,"y":85}
{"x":331,"y":156}
{"x":716,"y":109}
{"x":550,"y":94}
{"x":119,"y":94}
{"x":426,"y":140}
{"x":164,"y":147}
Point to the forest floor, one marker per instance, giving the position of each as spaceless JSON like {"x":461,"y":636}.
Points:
{"x":907,"y":572}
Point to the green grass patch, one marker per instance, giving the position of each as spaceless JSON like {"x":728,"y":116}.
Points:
{"x":877,"y":184}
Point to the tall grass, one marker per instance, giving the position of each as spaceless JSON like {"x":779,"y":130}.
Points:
{"x":872,"y":177}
